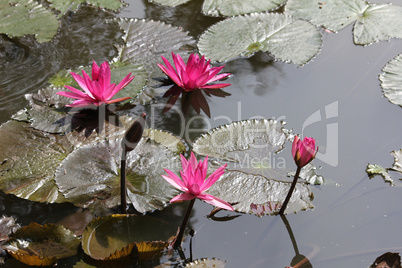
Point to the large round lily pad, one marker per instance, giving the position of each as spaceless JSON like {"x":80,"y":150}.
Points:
{"x":391,"y":80}
{"x":373,"y":22}
{"x":22,"y":17}
{"x":284,"y":37}
{"x":90,"y":176}
{"x":238,"y":7}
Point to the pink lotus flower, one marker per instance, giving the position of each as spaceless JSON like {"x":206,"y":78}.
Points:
{"x":97,"y":90}
{"x":192,"y":77}
{"x":303,"y":151}
{"x":194,"y":183}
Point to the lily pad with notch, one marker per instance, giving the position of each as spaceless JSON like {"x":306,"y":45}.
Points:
{"x":372,"y":22}
{"x":285,"y":38}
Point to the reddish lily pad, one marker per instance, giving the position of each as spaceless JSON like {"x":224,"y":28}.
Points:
{"x":42,"y":245}
{"x":116,"y":236}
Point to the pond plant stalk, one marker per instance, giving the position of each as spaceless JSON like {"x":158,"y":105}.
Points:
{"x":303,"y":152}
{"x":129,"y":142}
{"x":194,"y":184}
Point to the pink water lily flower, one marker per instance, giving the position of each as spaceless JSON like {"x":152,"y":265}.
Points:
{"x":192,"y":77}
{"x":193,"y":182}
{"x":97,"y":90}
{"x":303,"y":152}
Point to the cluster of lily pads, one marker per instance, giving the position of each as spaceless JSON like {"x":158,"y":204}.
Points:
{"x":55,"y":154}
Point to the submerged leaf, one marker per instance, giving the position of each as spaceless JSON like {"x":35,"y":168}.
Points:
{"x":285,"y":38}
{"x":23,"y":17}
{"x":373,"y":22}
{"x":391,"y":80}
{"x":238,"y":7}
{"x":42,"y":245}
{"x":116,"y":236}
{"x":256,"y":173}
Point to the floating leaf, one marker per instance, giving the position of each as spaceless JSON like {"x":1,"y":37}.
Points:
{"x":256,"y":173}
{"x":373,"y":22}
{"x":167,"y":139}
{"x":97,"y":185}
{"x":287,"y":39}
{"x":397,"y":160}
{"x":116,"y":236}
{"x":22,"y":17}
{"x":147,"y":41}
{"x":238,"y":7}
{"x":171,"y":3}
{"x":206,"y":263}
{"x":246,"y":190}
{"x":65,"y":5}
{"x":28,"y":160}
{"x":391,"y":80}
{"x":374,"y":169}
{"x":42,"y":245}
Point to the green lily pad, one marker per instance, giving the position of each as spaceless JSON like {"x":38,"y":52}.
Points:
{"x":256,"y":172}
{"x":374,"y":169}
{"x":285,"y":38}
{"x":238,"y":7}
{"x":72,"y":5}
{"x":171,"y":3}
{"x":98,"y":184}
{"x":21,"y":17}
{"x":28,"y":160}
{"x":29,"y":157}
{"x":116,"y":236}
{"x":42,"y":245}
{"x":373,"y":22}
{"x":147,"y":41}
{"x":391,"y":80}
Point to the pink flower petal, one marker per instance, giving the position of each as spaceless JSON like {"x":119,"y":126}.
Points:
{"x":174,"y":180}
{"x":213,"y":178}
{"x":215,"y":201}
{"x":182,"y":197}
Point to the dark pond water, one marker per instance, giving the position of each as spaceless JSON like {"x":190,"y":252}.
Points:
{"x":355,"y":219}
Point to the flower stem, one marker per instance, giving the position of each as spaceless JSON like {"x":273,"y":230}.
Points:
{"x":292,"y":187}
{"x":123,"y":191}
{"x":179,"y":237}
